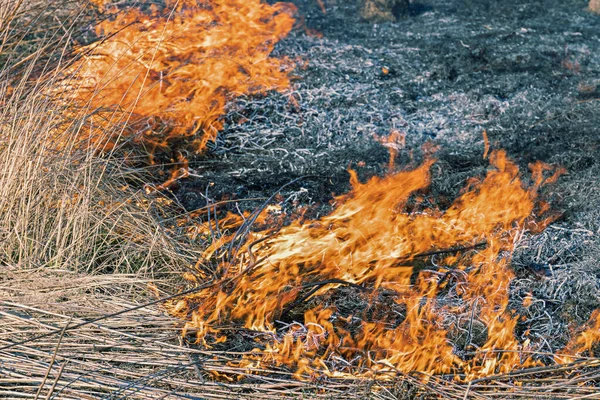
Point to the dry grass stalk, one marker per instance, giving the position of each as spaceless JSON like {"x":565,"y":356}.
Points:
{"x":595,"y":6}
{"x":61,"y":205}
{"x":65,"y":210}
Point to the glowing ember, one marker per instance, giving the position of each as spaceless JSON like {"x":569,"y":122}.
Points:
{"x":173,"y":69}
{"x":431,"y":285}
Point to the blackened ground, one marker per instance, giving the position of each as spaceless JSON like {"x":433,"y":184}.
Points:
{"x":526,"y":71}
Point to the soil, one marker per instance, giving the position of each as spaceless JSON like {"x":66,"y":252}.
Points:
{"x":527,"y":72}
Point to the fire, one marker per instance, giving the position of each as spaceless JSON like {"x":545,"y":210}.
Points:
{"x":584,"y":341}
{"x":430,"y":287}
{"x":386,"y":283}
{"x":394,"y":142}
{"x":167,"y":73}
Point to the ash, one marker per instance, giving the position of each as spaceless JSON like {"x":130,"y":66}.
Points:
{"x":527,"y":72}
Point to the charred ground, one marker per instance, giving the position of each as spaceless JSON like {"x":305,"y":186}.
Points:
{"x":528,"y":72}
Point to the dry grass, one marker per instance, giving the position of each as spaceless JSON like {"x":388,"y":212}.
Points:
{"x":140,"y":354}
{"x":80,"y":242}
{"x":60,"y":204}
{"x":77,"y":234}
{"x":65,"y":207}
{"x":123,"y":356}
{"x":134,"y":355}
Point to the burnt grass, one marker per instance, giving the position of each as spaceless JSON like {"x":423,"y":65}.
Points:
{"x":526,"y":71}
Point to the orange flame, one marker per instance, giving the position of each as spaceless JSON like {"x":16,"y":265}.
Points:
{"x":371,"y":245}
{"x":432,"y":284}
{"x":394,"y":142}
{"x":583,"y":341}
{"x":486,"y":144}
{"x":173,"y":69}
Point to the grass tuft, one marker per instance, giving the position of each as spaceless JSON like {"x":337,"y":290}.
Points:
{"x":61,"y":204}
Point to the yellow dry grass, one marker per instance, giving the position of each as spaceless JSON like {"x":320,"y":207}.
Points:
{"x":62,"y":205}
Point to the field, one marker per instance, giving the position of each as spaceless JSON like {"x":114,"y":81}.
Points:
{"x":288,"y":201}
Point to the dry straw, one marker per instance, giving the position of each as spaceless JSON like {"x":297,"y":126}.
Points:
{"x":60,"y":203}
{"x":80,"y":241}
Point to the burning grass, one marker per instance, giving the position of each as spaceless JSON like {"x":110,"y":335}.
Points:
{"x":60,"y":204}
{"x":408,"y":315}
{"x":166,"y":73}
{"x":159,"y":81}
{"x":387,"y":295}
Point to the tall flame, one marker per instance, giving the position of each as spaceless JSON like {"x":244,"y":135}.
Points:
{"x":369,"y":248}
{"x":174,"y":68}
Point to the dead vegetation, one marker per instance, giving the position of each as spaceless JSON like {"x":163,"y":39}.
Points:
{"x":83,"y":249}
{"x":383,"y":10}
{"x":140,"y":354}
{"x":61,"y":204}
